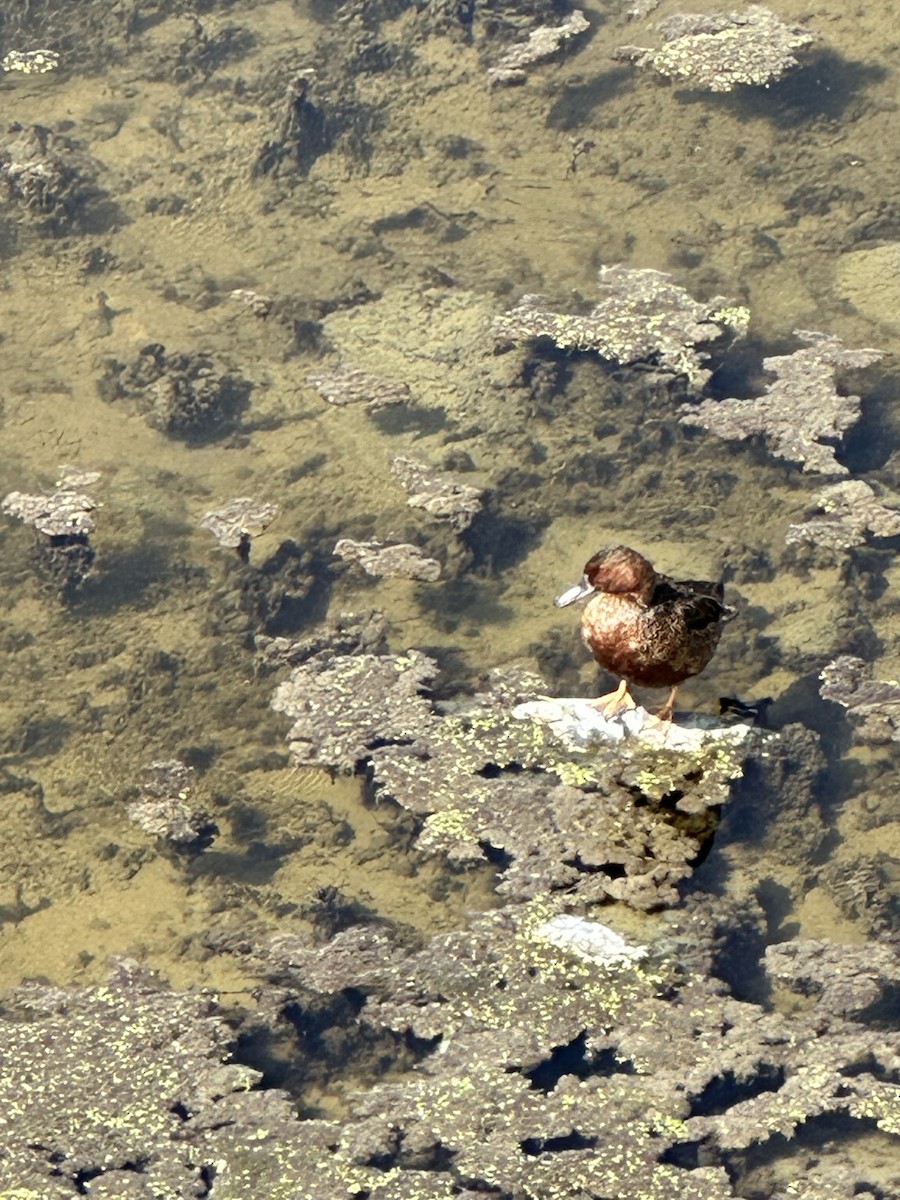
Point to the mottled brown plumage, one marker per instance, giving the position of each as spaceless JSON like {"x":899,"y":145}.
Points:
{"x":645,"y":627}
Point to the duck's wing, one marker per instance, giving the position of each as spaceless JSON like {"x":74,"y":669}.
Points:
{"x":699,"y":602}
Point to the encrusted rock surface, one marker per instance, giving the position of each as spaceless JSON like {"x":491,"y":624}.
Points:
{"x":717,"y":51}
{"x":437,"y":492}
{"x":642,"y":316}
{"x":872,"y":704}
{"x":549,"y":1067}
{"x":843,"y":515}
{"x":237,"y":522}
{"x":391,"y":559}
{"x":543,"y":42}
{"x":615,"y":818}
{"x":801,"y":413}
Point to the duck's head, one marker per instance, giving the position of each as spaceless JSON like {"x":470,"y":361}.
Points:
{"x":616,"y":570}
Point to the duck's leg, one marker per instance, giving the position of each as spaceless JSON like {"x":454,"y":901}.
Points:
{"x":610,"y":704}
{"x":667,"y":711}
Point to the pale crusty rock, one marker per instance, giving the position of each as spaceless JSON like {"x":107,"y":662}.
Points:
{"x":716,"y":51}
{"x":241,"y":519}
{"x":801,"y":412}
{"x":341,"y":706}
{"x":349,"y":385}
{"x":589,"y":940}
{"x":579,"y":724}
{"x":437,"y":492}
{"x":542,"y":44}
{"x":258,"y":303}
{"x":393,"y":559}
{"x":843,"y":515}
{"x":30,"y":62}
{"x":641,"y":316}
{"x":63,"y":513}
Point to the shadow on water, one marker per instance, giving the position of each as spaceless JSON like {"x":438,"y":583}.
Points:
{"x":801,"y":704}
{"x":871,"y":443}
{"x":406,"y":418}
{"x":322,"y":1049}
{"x":454,"y":601}
{"x":827,"y":86}
{"x":581,"y":99}
{"x":133,"y":576}
{"x":455,"y":677}
{"x":43,"y":737}
{"x":256,"y":866}
{"x":499,"y":541}
{"x":740,"y":373}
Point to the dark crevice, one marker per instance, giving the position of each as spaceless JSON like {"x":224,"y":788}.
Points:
{"x":829,"y":1135}
{"x":612,"y":870}
{"x":571,"y":1141}
{"x":882,"y":1013}
{"x":321,"y":1042}
{"x":207,"y":1179}
{"x":685,"y":1155}
{"x":574,"y":1059}
{"x":669,"y":801}
{"x":723,"y":1092}
{"x":870,"y":1066}
{"x":496,"y":857}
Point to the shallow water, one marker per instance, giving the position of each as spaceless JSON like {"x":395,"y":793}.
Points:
{"x":440,"y":203}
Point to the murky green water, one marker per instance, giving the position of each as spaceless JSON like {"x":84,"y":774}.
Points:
{"x":440,"y":202}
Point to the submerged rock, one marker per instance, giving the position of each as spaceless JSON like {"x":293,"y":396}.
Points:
{"x":236,"y":523}
{"x":619,"y":818}
{"x":182,"y":394}
{"x":437,"y":492}
{"x":165,"y":811}
{"x":801,"y":415}
{"x":872,"y":704}
{"x":49,"y":176}
{"x":392,"y":559}
{"x":642,"y":316}
{"x":348,"y":385}
{"x":62,"y":523}
{"x":842,"y":517}
{"x":543,"y":43}
{"x":718,"y":51}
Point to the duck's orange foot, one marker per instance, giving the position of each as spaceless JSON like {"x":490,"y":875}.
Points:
{"x":614,"y":702}
{"x":667,"y":712}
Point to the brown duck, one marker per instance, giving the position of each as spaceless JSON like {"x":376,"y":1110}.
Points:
{"x":645,"y":627}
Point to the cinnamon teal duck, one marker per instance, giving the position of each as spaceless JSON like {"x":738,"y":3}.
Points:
{"x":644,"y":627}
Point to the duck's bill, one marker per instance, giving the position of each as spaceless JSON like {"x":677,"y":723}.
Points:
{"x":573,"y":594}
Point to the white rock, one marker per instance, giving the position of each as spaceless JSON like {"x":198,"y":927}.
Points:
{"x":589,"y":940}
